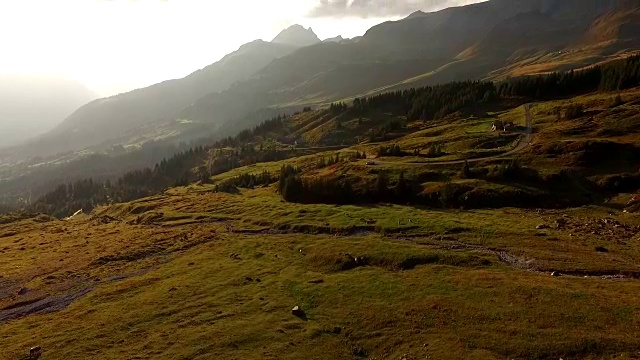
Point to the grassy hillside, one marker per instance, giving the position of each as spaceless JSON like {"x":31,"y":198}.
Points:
{"x":194,"y":274}
{"x":198,"y":273}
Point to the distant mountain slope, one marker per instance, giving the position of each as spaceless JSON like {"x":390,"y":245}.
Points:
{"x":337,"y":39}
{"x":30,"y":106}
{"x":110,"y":117}
{"x":550,"y":30}
{"x":538,"y":42}
{"x":618,"y":29}
{"x":492,"y":39}
{"x":296,"y":35}
{"x":426,"y":48}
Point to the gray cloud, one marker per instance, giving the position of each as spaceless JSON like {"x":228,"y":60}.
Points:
{"x":380,"y":8}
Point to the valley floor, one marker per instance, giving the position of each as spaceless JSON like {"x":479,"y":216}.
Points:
{"x":194,"y":274}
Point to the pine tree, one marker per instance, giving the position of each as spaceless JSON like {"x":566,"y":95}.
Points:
{"x":466,"y":171}
{"x":402,"y":188}
{"x":382,"y":185}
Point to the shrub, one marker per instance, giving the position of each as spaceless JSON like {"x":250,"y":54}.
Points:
{"x":391,"y":151}
{"x":435,"y":151}
{"x":466,"y":173}
{"x":574,"y":111}
{"x":617,"y":101}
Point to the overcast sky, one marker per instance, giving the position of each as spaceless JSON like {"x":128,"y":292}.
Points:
{"x":117,"y":45}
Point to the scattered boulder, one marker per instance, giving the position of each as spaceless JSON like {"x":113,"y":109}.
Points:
{"x":316,"y":281}
{"x":561,"y":222}
{"x":360,"y":260}
{"x":297,"y":311}
{"x":542,"y":227}
{"x":602,"y":249}
{"x":556,"y":273}
{"x":23,"y":291}
{"x":35,"y":353}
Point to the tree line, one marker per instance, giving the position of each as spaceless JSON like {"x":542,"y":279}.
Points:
{"x":424,"y":103}
{"x":294,"y":187}
{"x":198,"y":163}
{"x":614,"y":76}
{"x":439,"y":101}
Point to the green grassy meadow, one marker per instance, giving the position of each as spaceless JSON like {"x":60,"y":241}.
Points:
{"x":198,"y":274}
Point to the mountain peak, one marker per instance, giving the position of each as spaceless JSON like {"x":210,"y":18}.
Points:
{"x":416,"y":14}
{"x":296,"y":35}
{"x":336,"y":39}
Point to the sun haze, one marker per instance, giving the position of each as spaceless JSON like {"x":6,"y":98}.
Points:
{"x":114,"y":46}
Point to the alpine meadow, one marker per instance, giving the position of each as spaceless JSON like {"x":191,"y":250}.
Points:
{"x":462,"y":181}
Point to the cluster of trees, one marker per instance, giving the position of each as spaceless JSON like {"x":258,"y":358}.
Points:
{"x":323,"y":162}
{"x":381,"y":133}
{"x":573,"y":111}
{"x":247,"y":181}
{"x":424,"y":103}
{"x":273,"y":125}
{"x":223,"y":160}
{"x":86,"y":194}
{"x":26,"y":182}
{"x":67,"y":199}
{"x":435,"y":150}
{"x":616,"y":75}
{"x":620,"y":75}
{"x":435,"y":102}
{"x":338,"y":108}
{"x":551,"y":86}
{"x":343,"y":190}
{"x":393,"y":150}
{"x":198,"y":163}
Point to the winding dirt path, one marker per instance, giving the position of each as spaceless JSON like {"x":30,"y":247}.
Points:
{"x":530,"y":264}
{"x":523,"y":143}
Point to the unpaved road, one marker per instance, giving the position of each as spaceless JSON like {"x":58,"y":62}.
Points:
{"x":523,"y":143}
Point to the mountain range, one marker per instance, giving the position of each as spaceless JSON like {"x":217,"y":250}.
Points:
{"x":488,"y":40}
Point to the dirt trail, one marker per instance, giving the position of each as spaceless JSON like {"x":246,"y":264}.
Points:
{"x":58,"y":302}
{"x":42,"y":306}
{"x":513,"y":261}
{"x":523,"y":143}
{"x":529,"y":264}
